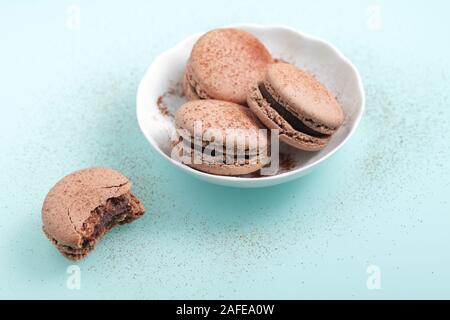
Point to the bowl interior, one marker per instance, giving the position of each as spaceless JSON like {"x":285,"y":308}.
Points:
{"x":160,"y":95}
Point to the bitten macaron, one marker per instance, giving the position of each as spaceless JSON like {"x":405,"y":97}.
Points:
{"x":85,"y":205}
{"x":223,"y":64}
{"x":298,"y":105}
{"x":219,"y":137}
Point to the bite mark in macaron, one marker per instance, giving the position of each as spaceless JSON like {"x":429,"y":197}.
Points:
{"x":84,"y":206}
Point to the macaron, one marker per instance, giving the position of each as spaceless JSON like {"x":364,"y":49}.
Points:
{"x":223,"y":64}
{"x":219,"y":137}
{"x":85,"y":205}
{"x":298,"y":105}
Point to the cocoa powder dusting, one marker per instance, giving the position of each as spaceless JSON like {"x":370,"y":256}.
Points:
{"x":162,"y":107}
{"x":173,"y":91}
{"x":287,"y":163}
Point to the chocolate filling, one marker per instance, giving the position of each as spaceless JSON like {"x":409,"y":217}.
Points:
{"x":105,"y":217}
{"x":296,"y":123}
{"x":117,"y":210}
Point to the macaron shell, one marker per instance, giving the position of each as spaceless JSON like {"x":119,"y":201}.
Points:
{"x":70,"y":202}
{"x":220,"y":116}
{"x":239,"y":167}
{"x":68,"y":252}
{"x":261,"y":108}
{"x":228,"y":170}
{"x":225,"y":62}
{"x":304,"y":96}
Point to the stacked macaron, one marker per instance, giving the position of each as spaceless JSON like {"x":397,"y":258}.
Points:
{"x":227,"y":140}
{"x":234,"y":83}
{"x":300,"y":107}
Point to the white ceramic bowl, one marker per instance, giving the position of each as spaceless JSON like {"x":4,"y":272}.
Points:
{"x":160,"y":94}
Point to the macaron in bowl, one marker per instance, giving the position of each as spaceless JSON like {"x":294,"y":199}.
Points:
{"x":223,"y":64}
{"x":298,"y":105}
{"x":220,"y":137}
{"x":163,"y":82}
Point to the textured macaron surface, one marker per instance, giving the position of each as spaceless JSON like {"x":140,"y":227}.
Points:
{"x":70,"y":203}
{"x":204,"y":119}
{"x":225,"y":62}
{"x":304,"y":96}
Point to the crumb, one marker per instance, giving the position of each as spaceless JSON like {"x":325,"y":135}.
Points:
{"x":173,"y":91}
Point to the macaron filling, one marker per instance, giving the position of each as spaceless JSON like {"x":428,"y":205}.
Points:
{"x":290,"y":118}
{"x":104,"y":218}
{"x":117,"y":210}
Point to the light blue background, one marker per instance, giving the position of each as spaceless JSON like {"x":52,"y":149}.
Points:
{"x":67,"y":100}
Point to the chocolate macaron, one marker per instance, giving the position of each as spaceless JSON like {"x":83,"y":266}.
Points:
{"x":84,"y":205}
{"x":219,"y":137}
{"x":223,"y":64}
{"x":296,"y":103}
